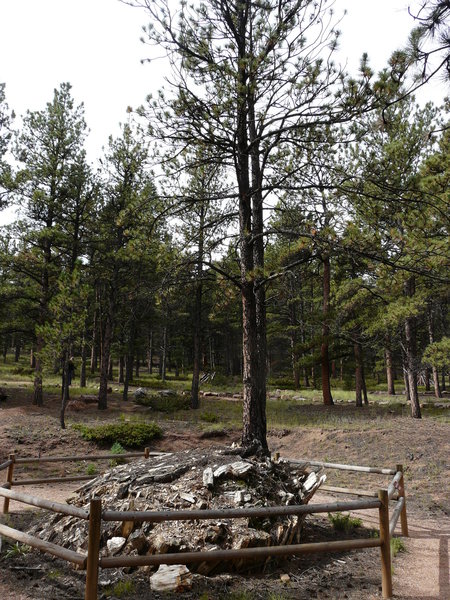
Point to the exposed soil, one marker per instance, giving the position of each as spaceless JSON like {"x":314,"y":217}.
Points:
{"x":422,"y":572}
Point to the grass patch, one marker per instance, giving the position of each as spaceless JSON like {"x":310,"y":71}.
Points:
{"x":133,"y":434}
{"x":120,"y":589}
{"x":397,"y":545}
{"x":209,"y":417}
{"x":342,"y":522}
{"x":16,"y":550}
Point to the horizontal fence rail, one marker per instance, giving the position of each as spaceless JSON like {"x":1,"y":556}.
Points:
{"x":356,"y":468}
{"x":58,"y":507}
{"x":95,"y":515}
{"x":48,"y":547}
{"x":5,"y":464}
{"x":236,"y":513}
{"x":216,"y":555}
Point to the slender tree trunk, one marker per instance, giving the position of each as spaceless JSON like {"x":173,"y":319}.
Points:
{"x":325,"y":360}
{"x":197,"y":345}
{"x":150,"y":353}
{"x":138,"y":365}
{"x":389,"y":369}
{"x":358,"y":374}
{"x":105,"y":362}
{"x":443,"y":388}
{"x":121,"y":377}
{"x":163,"y":353}
{"x":65,"y":389}
{"x":364,"y":386}
{"x":17,"y":350}
{"x":437,"y":389}
{"x":411,"y":355}
{"x":32,"y":358}
{"x":405,"y":379}
{"x":94,"y":352}
{"x":83,"y":361}
{"x":129,"y":359}
{"x":37,"y":394}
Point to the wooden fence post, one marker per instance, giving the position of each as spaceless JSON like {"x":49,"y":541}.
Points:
{"x":95,"y":521}
{"x":401,"y":494}
{"x":385,"y":548}
{"x":9,"y":478}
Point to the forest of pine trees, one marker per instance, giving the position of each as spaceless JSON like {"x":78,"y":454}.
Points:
{"x":296,"y":232}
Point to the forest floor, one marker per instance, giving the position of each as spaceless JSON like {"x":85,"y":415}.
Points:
{"x":381,"y":436}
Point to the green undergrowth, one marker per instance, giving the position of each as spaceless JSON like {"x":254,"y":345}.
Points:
{"x":166,"y":404}
{"x":397,"y":545}
{"x":130,"y":434}
{"x":344,"y":522}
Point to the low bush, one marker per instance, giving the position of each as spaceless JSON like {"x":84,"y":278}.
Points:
{"x":343,"y":522}
{"x":133,"y":434}
{"x":209,"y":417}
{"x":166,"y":404}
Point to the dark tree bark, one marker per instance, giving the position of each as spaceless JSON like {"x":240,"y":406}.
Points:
{"x":121,"y":375}
{"x":411,"y":355}
{"x":358,"y":374}
{"x":83,"y":361}
{"x":94,"y":346}
{"x":324,"y":354}
{"x":150,"y":353}
{"x":106,"y":356}
{"x":437,"y":389}
{"x":65,"y":397}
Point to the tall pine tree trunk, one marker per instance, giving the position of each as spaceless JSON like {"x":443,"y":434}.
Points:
{"x":437,"y":389}
{"x":358,"y":374}
{"x":105,"y":357}
{"x":83,"y":360}
{"x":324,"y":354}
{"x":150,"y":353}
{"x":411,"y":354}
{"x":389,"y":369}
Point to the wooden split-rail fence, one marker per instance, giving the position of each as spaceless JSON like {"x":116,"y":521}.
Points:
{"x":96,"y":514}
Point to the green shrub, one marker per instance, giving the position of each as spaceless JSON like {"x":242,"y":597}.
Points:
{"x":120,"y":589}
{"x":343,"y":522}
{"x":209,"y":417}
{"x":16,"y":550}
{"x":91,"y":469}
{"x":282,"y":383}
{"x":166,"y":404}
{"x":22,"y":371}
{"x":133,"y":434}
{"x":117,"y":448}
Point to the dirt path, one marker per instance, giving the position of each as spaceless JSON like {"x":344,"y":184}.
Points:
{"x":422,"y":571}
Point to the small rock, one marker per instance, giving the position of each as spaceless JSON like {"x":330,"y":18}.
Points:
{"x":188,"y":497}
{"x":208,"y":477}
{"x":171,"y":578}
{"x":115,"y":544}
{"x":140,"y":393}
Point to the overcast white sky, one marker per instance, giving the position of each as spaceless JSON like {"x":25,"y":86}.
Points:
{"x":94,"y":44}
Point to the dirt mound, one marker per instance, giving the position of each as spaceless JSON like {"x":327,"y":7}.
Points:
{"x":201,"y":479}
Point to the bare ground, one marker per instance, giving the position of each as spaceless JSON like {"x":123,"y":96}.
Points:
{"x":422,"y":572}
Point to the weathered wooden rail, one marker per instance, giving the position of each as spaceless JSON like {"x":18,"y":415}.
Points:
{"x":92,"y":562}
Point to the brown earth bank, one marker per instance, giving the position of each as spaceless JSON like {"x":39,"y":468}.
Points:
{"x":420,"y":572}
